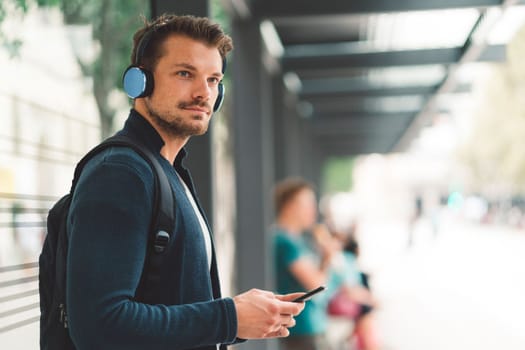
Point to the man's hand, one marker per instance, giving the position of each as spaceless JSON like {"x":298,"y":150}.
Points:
{"x":262,"y":314}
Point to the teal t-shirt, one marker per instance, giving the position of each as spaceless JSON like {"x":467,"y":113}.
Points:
{"x":287,"y":250}
{"x":344,"y":271}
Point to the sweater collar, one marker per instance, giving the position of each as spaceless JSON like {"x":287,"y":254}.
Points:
{"x":139,"y":127}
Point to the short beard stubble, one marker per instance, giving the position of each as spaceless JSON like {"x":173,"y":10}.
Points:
{"x":176,"y":126}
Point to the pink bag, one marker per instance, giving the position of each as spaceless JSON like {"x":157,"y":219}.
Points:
{"x":342,"y":305}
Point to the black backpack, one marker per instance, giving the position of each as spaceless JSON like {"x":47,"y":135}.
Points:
{"x":54,"y":334}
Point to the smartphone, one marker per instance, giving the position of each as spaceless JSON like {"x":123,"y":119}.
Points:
{"x":309,"y":294}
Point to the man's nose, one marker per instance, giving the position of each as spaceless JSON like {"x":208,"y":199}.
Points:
{"x":202,"y":91}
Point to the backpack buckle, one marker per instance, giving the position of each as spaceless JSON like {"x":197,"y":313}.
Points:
{"x":162,"y":239}
{"x":63,"y":315}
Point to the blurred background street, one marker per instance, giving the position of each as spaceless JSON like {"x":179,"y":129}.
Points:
{"x":463,"y":289}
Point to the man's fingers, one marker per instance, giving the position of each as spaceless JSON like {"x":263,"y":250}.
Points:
{"x":289,"y":297}
{"x":289,"y":308}
{"x":275,"y":328}
{"x":287,"y":321}
{"x":281,"y":333}
{"x":284,"y":332}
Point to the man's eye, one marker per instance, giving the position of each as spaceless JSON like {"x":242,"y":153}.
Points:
{"x":184,"y":74}
{"x":214,"y":80}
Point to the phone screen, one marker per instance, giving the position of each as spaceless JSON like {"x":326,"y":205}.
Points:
{"x":309,"y":294}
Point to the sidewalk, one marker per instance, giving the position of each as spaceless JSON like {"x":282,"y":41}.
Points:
{"x":462,"y":290}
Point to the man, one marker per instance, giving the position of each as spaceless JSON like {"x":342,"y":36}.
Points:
{"x":111,"y":212}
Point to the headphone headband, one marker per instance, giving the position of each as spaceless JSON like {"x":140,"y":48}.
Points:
{"x":141,"y":47}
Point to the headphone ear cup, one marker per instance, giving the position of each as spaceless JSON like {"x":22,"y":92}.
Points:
{"x":137,"y":82}
{"x":220,"y":98}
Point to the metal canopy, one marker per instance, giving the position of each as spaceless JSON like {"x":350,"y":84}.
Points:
{"x":368,"y":73}
{"x":297,"y":8}
{"x":387,"y":59}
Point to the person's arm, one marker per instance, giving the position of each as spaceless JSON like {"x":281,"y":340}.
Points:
{"x":308,"y":274}
{"x":109,"y":223}
{"x":312,"y":275}
{"x":293,"y":257}
{"x":359,"y":294}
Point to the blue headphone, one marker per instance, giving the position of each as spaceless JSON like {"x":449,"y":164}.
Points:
{"x":138,"y":81}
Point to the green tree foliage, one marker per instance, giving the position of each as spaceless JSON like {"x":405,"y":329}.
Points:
{"x":493,"y":152}
{"x":113,"y":23}
{"x":337,"y":175}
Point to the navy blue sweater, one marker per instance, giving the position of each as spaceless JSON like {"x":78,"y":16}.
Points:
{"x":108,"y":227}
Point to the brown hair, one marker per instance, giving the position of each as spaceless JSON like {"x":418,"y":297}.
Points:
{"x":198,"y":28}
{"x":286,"y":190}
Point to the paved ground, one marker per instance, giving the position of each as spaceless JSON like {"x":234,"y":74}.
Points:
{"x":462,"y":290}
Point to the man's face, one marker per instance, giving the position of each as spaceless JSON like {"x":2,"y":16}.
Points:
{"x":186,"y":80}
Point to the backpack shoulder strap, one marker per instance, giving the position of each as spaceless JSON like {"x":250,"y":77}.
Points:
{"x":163,"y":221}
{"x":163,"y":194}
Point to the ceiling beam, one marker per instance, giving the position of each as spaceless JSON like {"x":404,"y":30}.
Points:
{"x":336,"y":127}
{"x":352,"y":146}
{"x":443,"y":56}
{"x":320,"y":91}
{"x":302,"y":8}
{"x":361,"y":130}
{"x":324,"y":93}
{"x":396,"y":104}
{"x":366,"y":115}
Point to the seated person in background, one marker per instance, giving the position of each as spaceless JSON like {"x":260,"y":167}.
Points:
{"x":353,"y":299}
